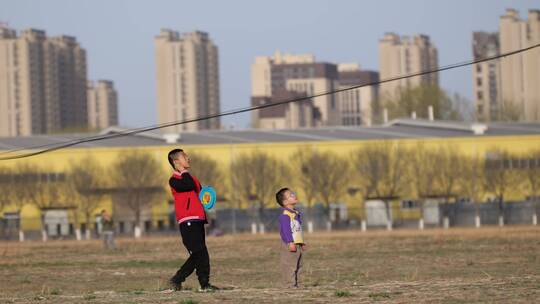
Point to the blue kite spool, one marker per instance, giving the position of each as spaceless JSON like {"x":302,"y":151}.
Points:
{"x":207,"y":196}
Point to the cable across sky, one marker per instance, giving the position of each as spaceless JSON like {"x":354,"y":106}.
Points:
{"x":11,"y":154}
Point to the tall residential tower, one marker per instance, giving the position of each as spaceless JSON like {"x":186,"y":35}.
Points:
{"x":405,"y":55}
{"x":187,"y":79}
{"x":42,"y":83}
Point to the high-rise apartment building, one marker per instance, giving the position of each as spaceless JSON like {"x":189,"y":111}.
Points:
{"x":42,"y":83}
{"x":405,"y":55}
{"x":187,"y":79}
{"x":357,"y":106}
{"x":486,"y":76}
{"x":102,"y":104}
{"x":300,"y":74}
{"x":520,"y":74}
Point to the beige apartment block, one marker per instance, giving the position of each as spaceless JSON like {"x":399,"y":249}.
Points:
{"x":296,"y":73}
{"x":520,"y":74}
{"x":300,"y":114}
{"x":358,"y":106}
{"x":405,"y":55}
{"x":187,"y":80}
{"x":486,"y":77}
{"x":327,"y":105}
{"x":42,"y":83}
{"x":102,"y":104}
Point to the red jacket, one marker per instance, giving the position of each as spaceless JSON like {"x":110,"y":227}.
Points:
{"x":185,"y":189}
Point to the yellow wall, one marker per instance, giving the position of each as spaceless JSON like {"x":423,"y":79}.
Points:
{"x":60,"y":160}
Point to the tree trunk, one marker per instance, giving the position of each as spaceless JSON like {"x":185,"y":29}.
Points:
{"x":310,"y":218}
{"x":77,"y":226}
{"x":477,"y":222}
{"x":44,"y":236}
{"x":446,"y":218}
{"x":421,"y":220}
{"x":328,"y":216}
{"x":388,"y":216}
{"x":260,"y":223}
{"x":87,"y":234}
{"x":233,"y":229}
{"x":137,"y":230}
{"x":535,"y":214}
{"x":501,"y":212}
{"x":19,"y":226}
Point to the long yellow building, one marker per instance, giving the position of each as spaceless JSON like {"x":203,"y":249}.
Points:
{"x":226,"y":146}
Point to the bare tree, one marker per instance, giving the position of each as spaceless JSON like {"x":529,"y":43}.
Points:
{"x":382,"y":172}
{"x":6,"y":187}
{"x":333,"y":174}
{"x":448,"y":173}
{"x":500,"y":178}
{"x":48,"y":191}
{"x":241,"y":188}
{"x":472,"y":183}
{"x":305,"y":164}
{"x":418,"y":100}
{"x":138,"y":180}
{"x":19,"y":196}
{"x":422,"y":172}
{"x":85,"y":182}
{"x":532,"y":177}
{"x":208,"y":172}
{"x":262,"y":176}
{"x":510,"y":111}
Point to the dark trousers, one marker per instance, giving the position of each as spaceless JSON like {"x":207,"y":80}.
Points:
{"x":193,"y":237}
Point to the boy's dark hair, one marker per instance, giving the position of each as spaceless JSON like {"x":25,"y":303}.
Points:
{"x":173,"y":154}
{"x":280,"y":196}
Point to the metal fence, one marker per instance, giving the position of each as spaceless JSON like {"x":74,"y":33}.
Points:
{"x":373,"y":215}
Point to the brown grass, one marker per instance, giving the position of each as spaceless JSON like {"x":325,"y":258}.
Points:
{"x":453,"y":266}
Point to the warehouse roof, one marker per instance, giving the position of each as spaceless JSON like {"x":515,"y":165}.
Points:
{"x":396,"y":129}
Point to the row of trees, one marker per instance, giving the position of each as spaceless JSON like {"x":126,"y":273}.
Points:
{"x":419,"y":98}
{"x":385,"y":171}
{"x":136,"y":178}
{"x":388,"y":171}
{"x":445,"y":106}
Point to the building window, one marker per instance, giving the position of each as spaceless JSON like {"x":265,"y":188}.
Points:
{"x":480,"y":108}
{"x":479,"y":81}
{"x":480,"y":95}
{"x":409,"y":204}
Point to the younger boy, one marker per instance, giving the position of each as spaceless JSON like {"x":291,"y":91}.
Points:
{"x":292,"y":237}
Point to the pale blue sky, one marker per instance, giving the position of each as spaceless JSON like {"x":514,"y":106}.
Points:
{"x":118,"y":36}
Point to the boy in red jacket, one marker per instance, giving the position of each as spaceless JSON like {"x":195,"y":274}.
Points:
{"x":191,"y":217}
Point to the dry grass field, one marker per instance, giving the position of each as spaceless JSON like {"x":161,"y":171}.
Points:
{"x":433,"y":266}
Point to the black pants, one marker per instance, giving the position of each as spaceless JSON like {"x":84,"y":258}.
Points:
{"x":193,"y":237}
